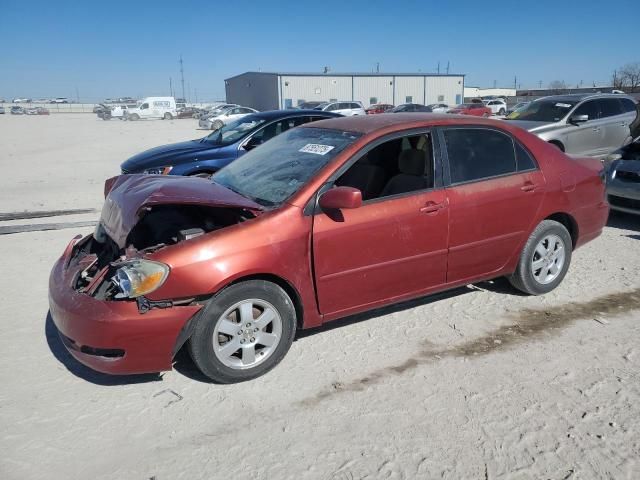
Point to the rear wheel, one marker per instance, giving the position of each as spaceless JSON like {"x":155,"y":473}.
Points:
{"x":545,"y":259}
{"x":243,"y":332}
{"x":133,"y":117}
{"x":168,"y":116}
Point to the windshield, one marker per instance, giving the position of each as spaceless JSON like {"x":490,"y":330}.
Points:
{"x":543,"y":111}
{"x":276,"y":170}
{"x":321,"y":106}
{"x":234,"y":131}
{"x":466,"y":105}
{"x":399,"y":108}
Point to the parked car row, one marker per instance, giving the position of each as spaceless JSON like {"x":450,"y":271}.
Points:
{"x":17,"y":110}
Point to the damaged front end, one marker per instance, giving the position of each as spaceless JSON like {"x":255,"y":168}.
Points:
{"x":98,"y":288}
{"x":110,"y":272}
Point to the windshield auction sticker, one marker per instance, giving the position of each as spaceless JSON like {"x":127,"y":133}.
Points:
{"x":316,"y":148}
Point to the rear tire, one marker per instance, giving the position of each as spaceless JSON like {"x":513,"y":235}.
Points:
{"x":544,"y":260}
{"x":168,"y":116}
{"x":243,"y":332}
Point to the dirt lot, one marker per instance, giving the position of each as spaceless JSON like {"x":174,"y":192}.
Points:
{"x":478,"y":383}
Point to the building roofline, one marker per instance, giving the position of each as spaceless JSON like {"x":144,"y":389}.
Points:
{"x":350,"y":74}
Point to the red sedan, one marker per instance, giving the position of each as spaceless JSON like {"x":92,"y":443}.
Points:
{"x":325,"y":220}
{"x":475,"y":109}
{"x":378,"y":108}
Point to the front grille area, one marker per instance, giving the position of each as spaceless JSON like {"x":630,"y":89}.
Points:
{"x":624,"y":202}
{"x":628,"y":176}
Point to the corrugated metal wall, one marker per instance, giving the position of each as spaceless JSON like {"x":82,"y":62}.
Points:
{"x":378,"y":89}
{"x":409,"y":90}
{"x":311,"y":88}
{"x":449,"y":88}
{"x":255,"y":90}
{"x":265,"y":91}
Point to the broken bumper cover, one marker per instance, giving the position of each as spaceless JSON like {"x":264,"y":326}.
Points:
{"x":112,"y":336}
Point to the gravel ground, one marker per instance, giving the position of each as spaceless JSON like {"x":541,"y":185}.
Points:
{"x":480,"y":382}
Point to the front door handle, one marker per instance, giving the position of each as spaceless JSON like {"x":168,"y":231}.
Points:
{"x":528,"y":187}
{"x":432,"y":207}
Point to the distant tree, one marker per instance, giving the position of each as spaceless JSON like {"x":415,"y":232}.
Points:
{"x":557,"y":85}
{"x":617,"y":80}
{"x":630,"y":75}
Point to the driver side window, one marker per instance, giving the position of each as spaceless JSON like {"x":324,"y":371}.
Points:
{"x":589,"y":108}
{"x":394,"y":167}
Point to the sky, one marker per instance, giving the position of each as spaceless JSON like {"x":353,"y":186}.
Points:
{"x":94,"y":50}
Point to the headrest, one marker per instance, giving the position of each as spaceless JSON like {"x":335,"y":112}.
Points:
{"x":411,"y":162}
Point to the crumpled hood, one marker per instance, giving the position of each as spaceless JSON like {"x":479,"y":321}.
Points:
{"x":534,"y":127}
{"x":129,"y":195}
{"x":174,"y":154}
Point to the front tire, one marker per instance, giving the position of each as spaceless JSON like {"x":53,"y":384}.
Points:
{"x":168,"y":116}
{"x":133,"y":117}
{"x":502,"y":111}
{"x":243,"y":332}
{"x":217,"y":125}
{"x":545,"y":259}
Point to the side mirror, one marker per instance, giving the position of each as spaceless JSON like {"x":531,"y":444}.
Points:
{"x":577,"y":119}
{"x":252,"y":143}
{"x":341,"y":197}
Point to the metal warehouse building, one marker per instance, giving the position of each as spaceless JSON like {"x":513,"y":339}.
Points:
{"x":271,"y":91}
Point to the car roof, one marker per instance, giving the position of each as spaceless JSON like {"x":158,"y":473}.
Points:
{"x":275,"y":114}
{"x":578,"y":97}
{"x":389,"y":121}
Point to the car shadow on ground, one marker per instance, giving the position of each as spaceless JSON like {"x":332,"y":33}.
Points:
{"x":79,"y":370}
{"x":185,"y":366}
{"x":624,"y":221}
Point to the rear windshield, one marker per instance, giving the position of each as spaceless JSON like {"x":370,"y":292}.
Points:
{"x":543,"y":111}
{"x":277,"y":169}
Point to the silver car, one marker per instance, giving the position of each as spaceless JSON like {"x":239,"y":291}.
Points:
{"x":592,"y":125}
{"x":348,"y":109}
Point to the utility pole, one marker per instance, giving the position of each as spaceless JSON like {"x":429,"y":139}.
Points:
{"x":182,"y":77}
{"x":540,"y":84}
{"x":447,"y":67}
{"x":438,"y":67}
{"x":77,"y":95}
{"x":494,"y":84}
{"x":170,"y":88}
{"x":515,"y":82}
{"x":195,"y":91}
{"x":377,"y":67}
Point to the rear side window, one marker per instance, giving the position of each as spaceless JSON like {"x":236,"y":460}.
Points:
{"x":628,"y":105}
{"x":610,"y":107}
{"x":477,"y":153}
{"x":524,"y":159}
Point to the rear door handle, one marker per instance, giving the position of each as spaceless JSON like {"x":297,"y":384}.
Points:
{"x":528,"y":187}
{"x":432,"y":207}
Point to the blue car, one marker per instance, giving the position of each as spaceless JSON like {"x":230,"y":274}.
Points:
{"x":207,"y":155}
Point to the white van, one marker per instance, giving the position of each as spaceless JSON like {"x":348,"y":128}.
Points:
{"x":154,"y":107}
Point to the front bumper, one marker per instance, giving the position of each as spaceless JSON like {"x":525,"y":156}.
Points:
{"x":112,"y":336}
{"x":205,"y":124}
